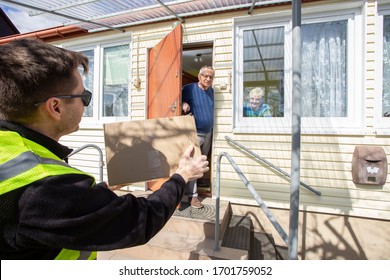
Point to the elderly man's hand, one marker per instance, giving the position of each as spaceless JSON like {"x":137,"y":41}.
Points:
{"x":186,"y":107}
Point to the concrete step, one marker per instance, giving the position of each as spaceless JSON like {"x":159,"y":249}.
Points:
{"x":189,"y":234}
{"x":189,"y":221}
{"x":173,"y":246}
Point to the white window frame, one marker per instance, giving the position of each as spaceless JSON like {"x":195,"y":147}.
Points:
{"x":381,"y":124}
{"x":263,"y":125}
{"x":353,"y":123}
{"x":98,"y":44}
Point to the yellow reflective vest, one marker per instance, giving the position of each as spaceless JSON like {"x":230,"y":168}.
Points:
{"x":23,"y":162}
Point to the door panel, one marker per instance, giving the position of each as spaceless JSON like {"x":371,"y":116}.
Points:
{"x":164,"y":87}
{"x":164,"y":81}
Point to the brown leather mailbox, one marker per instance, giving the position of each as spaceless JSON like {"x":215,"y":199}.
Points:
{"x":369,"y":165}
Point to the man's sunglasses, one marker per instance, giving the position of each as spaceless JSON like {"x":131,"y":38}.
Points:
{"x":86,"y":97}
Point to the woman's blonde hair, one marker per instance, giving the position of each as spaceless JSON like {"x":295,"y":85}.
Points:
{"x":257,"y":92}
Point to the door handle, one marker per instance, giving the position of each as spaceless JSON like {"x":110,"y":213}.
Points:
{"x":173,"y":106}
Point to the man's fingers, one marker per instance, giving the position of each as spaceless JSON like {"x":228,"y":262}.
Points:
{"x":189,"y":150}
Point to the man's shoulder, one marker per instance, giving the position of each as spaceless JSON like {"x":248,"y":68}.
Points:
{"x":189,"y":86}
{"x":189,"y":89}
{"x":211,"y":89}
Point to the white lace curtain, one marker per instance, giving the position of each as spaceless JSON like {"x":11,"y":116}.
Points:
{"x":386,"y":67}
{"x":324,"y":69}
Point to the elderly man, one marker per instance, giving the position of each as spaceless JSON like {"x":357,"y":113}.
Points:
{"x":198,"y":99}
{"x":50,"y":210}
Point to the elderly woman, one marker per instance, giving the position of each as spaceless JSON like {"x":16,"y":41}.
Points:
{"x":256,"y":106}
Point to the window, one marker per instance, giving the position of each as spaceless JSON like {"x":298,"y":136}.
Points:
{"x":386,"y":68}
{"x":324,"y":69}
{"x":263,"y":63}
{"x":331,"y":73}
{"x":115,"y":81}
{"x":382,"y":70}
{"x":88,"y":80}
{"x":108,"y":80}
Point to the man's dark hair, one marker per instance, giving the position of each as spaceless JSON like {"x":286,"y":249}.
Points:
{"x":32,"y":71}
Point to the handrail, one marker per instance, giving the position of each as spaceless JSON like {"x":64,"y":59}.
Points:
{"x":271,"y":165}
{"x":261,"y":203}
{"x":100,"y":157}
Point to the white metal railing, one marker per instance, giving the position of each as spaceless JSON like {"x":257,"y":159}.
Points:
{"x":258,"y":199}
{"x":271,"y":164}
{"x":255,"y":195}
{"x":101,"y":163}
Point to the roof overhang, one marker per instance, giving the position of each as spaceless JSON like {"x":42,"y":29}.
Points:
{"x":98,"y":15}
{"x":50,"y":34}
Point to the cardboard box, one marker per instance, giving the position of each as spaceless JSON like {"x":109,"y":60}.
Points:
{"x":146,"y":150}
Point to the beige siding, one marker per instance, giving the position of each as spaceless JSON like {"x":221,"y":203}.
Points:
{"x":325,"y":159}
{"x":370,"y":64}
{"x":87,"y":159}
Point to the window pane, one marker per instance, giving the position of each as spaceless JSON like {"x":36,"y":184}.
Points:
{"x":88,"y":80}
{"x":115,"y":81}
{"x":264,"y":67}
{"x":324,"y":69}
{"x":386,"y":68}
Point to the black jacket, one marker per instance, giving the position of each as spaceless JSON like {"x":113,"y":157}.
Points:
{"x":57,"y":212}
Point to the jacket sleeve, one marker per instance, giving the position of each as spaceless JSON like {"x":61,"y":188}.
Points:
{"x":68,"y":211}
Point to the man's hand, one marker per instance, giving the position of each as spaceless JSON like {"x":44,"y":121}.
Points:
{"x":186,"y":107}
{"x":116,"y":187}
{"x":191,"y":168}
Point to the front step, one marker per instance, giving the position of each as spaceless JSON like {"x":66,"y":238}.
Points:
{"x":173,"y":246}
{"x":260,"y":245}
{"x":188,"y":235}
{"x":238,"y":233}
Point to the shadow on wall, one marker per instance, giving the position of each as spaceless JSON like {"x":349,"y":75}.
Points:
{"x":338,"y":237}
{"x":335,"y":239}
{"x":324,"y":236}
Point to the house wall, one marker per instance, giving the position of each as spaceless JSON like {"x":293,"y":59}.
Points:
{"x":325,"y":159}
{"x":324,"y":236}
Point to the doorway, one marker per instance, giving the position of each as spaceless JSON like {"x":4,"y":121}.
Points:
{"x":166,"y":61}
{"x":194,"y":57}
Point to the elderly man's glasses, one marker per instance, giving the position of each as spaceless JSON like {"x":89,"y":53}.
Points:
{"x":207,"y":76}
{"x":86,"y":97}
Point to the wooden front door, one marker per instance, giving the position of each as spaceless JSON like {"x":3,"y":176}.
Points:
{"x":164,"y":81}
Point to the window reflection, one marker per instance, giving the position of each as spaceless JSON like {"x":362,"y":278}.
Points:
{"x":386,"y":68}
{"x":88,"y":80}
{"x":264,"y":67}
{"x":115,"y":81}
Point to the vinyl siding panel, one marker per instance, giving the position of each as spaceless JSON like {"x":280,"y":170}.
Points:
{"x":87,"y":159}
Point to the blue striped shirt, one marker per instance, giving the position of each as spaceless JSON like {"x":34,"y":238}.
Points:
{"x":201,"y":105}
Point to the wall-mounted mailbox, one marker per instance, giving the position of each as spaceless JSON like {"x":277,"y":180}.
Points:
{"x":369,"y":165}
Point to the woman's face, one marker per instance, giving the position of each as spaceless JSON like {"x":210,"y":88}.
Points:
{"x":255,"y":102}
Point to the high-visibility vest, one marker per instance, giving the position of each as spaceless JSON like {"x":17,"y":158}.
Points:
{"x":23,"y":162}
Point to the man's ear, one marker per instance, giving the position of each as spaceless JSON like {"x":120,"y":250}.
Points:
{"x":53,"y":107}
